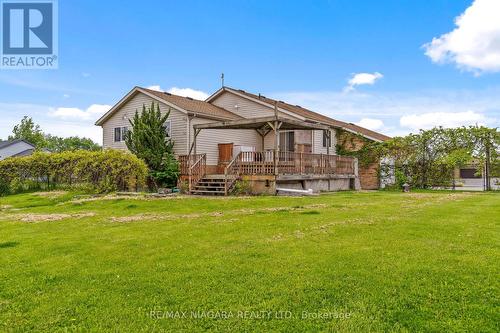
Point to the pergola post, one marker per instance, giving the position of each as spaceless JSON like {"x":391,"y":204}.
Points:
{"x":276,"y":147}
{"x":328,"y":141}
{"x":263,"y":132}
{"x":193,"y":146}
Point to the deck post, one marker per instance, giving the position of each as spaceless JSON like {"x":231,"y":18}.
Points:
{"x":301,"y":163}
{"x":193,"y":146}
{"x":328,"y":141}
{"x":276,"y":147}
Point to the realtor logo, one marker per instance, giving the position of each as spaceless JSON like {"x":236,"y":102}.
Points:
{"x":29,"y":34}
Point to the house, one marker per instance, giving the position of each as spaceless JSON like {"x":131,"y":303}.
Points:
{"x":13,"y":148}
{"x":470,"y":177}
{"x":235,"y":134}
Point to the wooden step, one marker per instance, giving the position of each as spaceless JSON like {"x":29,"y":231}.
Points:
{"x":203,"y":187}
{"x":207,"y":192}
{"x":219,"y":177}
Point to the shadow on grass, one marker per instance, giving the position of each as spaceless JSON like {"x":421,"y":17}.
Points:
{"x":6,"y":245}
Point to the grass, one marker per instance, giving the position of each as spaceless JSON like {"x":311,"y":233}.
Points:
{"x":348,"y":262}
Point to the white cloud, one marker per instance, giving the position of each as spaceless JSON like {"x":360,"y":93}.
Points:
{"x":188,"y":92}
{"x":474,"y":44}
{"x":358,"y":79}
{"x":12,"y":113}
{"x":445,"y":119}
{"x":86,"y":74}
{"x":373,"y":124}
{"x":156,"y":88}
{"x":91,"y":113}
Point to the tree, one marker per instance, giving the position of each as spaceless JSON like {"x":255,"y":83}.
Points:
{"x":72,"y":143}
{"x":29,"y":131}
{"x":148,"y":140}
{"x":430,"y":157}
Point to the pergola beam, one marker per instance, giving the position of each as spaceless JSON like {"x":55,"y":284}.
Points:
{"x":260,"y":123}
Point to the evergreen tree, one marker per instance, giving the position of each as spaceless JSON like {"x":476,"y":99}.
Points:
{"x":148,"y":140}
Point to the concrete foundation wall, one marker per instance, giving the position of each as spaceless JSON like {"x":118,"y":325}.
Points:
{"x":268,"y":184}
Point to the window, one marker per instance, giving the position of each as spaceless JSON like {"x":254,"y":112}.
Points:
{"x":327,"y":138}
{"x":287,"y":141}
{"x":168,"y":128}
{"x":120,"y":134}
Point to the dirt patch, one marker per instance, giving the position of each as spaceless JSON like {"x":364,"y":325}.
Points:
{"x":52,"y":194}
{"x":439,"y":196}
{"x":30,"y":218}
{"x":144,"y":217}
{"x":5,"y":207}
{"x":319,"y":229}
{"x":245,"y":211}
{"x":133,"y":218}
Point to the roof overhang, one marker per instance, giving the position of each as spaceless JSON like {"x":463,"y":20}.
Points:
{"x":263,"y":122}
{"x":137,"y":90}
{"x":127,"y":98}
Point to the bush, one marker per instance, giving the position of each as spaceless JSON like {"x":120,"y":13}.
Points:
{"x":102,"y":171}
{"x":242,"y":187}
{"x":4,"y":187}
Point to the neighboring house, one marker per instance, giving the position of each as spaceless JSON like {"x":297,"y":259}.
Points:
{"x":270,"y":137}
{"x":470,"y":177}
{"x":13,"y":148}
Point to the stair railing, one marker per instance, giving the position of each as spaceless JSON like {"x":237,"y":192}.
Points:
{"x":232,"y":173}
{"x":197,"y":170}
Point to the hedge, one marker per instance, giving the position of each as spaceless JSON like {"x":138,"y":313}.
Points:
{"x":102,"y":171}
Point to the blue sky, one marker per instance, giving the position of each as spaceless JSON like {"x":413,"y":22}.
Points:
{"x":304,"y":52}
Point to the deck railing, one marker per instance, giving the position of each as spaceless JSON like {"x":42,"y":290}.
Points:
{"x":263,"y":163}
{"x":232,"y":173}
{"x":194,"y":166}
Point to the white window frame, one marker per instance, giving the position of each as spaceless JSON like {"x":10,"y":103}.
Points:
{"x":123,"y":132}
{"x":168,"y":127}
{"x":328,"y":140}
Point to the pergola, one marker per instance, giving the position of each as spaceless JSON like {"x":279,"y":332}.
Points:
{"x":263,"y":126}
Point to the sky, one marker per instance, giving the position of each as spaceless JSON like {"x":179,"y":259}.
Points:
{"x":390,"y":65}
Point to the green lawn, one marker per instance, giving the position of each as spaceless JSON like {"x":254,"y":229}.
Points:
{"x":376,"y":261}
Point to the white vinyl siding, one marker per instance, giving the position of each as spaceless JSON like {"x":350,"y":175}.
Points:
{"x":178,"y":123}
{"x":208,"y":139}
{"x":245,"y":107}
{"x":318,"y":143}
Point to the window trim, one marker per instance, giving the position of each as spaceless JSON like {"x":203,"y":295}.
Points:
{"x":169,"y":122}
{"x":327,"y":141}
{"x":121,"y":131}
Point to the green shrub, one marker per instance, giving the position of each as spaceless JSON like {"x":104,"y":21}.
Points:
{"x":4,"y":187}
{"x":242,"y":187}
{"x":101,"y":171}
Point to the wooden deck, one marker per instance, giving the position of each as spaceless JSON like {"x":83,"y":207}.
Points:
{"x":280,"y":165}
